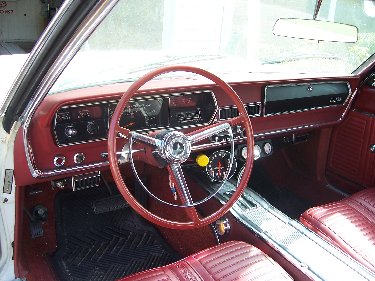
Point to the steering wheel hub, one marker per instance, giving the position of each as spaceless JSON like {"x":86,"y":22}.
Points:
{"x":175,"y":147}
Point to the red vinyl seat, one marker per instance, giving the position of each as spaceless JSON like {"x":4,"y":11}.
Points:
{"x":349,"y":224}
{"x":229,"y":261}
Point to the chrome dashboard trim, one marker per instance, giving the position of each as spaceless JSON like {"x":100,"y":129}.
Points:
{"x":49,"y":173}
{"x":305,"y":110}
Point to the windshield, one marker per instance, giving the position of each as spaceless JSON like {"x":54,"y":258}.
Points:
{"x":218,"y":35}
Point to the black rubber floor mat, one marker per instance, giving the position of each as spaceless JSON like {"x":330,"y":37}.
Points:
{"x":286,"y":201}
{"x":106,"y":245}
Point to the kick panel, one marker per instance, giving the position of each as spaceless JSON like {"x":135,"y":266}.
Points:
{"x":351,"y":157}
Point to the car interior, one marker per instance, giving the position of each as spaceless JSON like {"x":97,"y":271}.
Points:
{"x":185,"y":174}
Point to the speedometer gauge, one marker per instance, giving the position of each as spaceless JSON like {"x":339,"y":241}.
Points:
{"x":218,"y":168}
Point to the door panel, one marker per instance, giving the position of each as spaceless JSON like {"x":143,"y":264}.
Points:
{"x":365,"y":101}
{"x":350,"y":158}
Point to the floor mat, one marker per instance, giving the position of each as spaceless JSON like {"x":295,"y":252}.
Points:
{"x":103,"y":245}
{"x":281,"y":198}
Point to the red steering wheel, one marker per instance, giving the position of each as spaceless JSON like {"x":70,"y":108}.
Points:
{"x":165,"y":148}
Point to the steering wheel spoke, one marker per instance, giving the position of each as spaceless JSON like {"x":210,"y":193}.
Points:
{"x":155,"y":143}
{"x":179,"y":182}
{"x":180,"y":186}
{"x":209,"y":131}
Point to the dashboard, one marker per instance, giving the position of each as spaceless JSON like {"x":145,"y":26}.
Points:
{"x":68,"y":133}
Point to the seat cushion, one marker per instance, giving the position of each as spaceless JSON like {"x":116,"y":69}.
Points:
{"x":229,"y":261}
{"x":349,"y":224}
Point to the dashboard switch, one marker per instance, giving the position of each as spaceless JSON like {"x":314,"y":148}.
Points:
{"x":79,"y":158}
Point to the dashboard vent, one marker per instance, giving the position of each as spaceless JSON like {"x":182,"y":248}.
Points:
{"x":232,"y":111}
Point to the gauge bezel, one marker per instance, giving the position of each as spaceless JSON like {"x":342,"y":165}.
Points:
{"x":232,"y":167}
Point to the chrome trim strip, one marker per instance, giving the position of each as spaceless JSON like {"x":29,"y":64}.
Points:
{"x":304,"y":110}
{"x":49,"y":173}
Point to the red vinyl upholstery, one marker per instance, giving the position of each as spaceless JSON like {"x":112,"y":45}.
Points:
{"x":229,"y":261}
{"x":349,"y":224}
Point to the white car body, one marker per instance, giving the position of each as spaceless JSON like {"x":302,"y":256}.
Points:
{"x":10,"y":67}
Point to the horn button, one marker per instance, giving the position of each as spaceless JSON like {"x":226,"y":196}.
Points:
{"x":175,"y":147}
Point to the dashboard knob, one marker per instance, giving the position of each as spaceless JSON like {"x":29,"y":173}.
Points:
{"x":92,"y":128}
{"x":59,"y":160}
{"x":267,"y":148}
{"x":257,"y":152}
{"x":79,"y":158}
{"x":202,"y":160}
{"x":70,"y":131}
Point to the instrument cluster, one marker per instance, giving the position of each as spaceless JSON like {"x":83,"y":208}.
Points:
{"x":80,"y":123}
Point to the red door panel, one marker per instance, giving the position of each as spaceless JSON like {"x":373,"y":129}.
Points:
{"x":350,"y":160}
{"x":365,"y":101}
